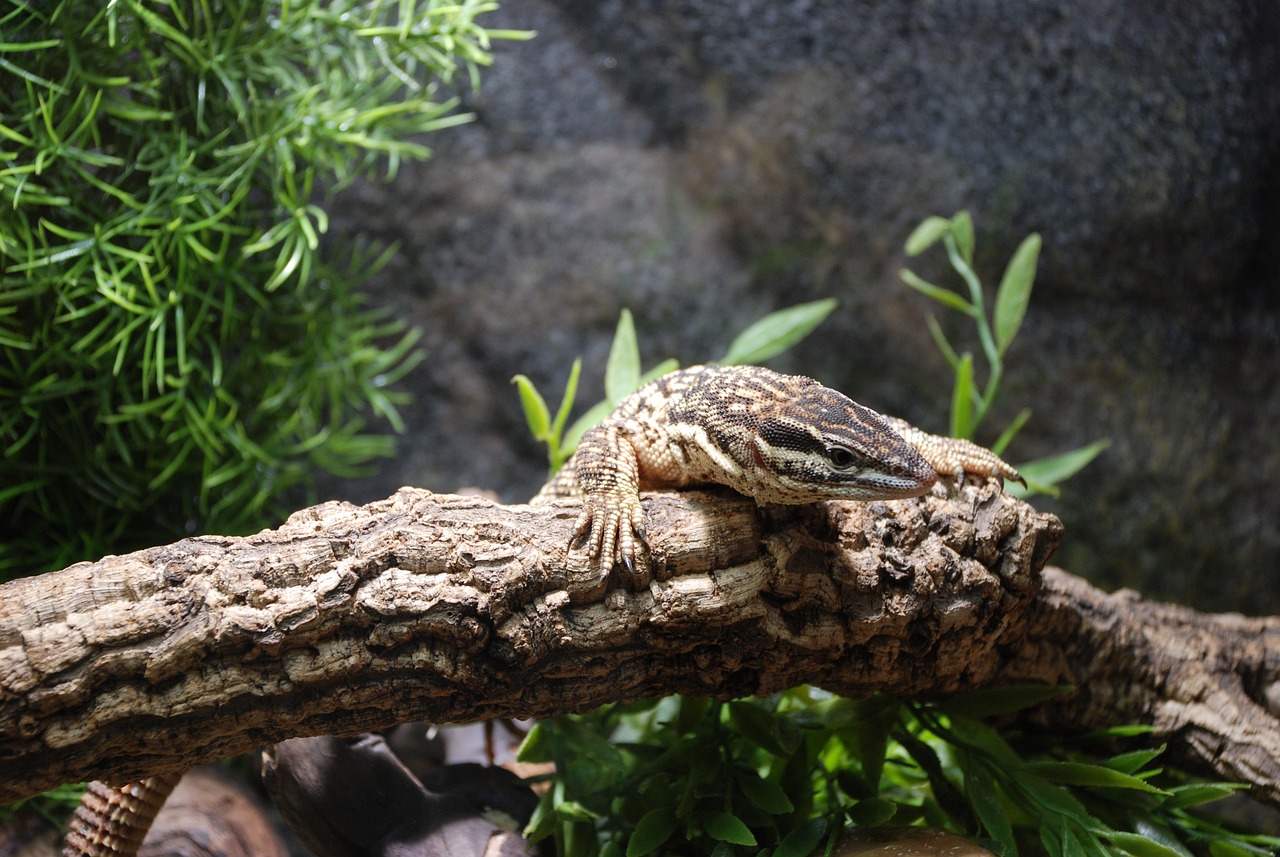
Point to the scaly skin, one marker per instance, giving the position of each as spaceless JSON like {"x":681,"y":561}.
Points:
{"x":775,"y":438}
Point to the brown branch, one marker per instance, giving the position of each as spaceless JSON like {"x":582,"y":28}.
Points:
{"x":1209,"y":684}
{"x":445,"y":608}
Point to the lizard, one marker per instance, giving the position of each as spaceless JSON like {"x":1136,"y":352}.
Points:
{"x":775,"y":438}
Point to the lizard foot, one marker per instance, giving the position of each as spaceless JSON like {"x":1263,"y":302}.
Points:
{"x":614,"y":536}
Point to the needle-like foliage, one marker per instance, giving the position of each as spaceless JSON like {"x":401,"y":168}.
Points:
{"x":177,"y":349}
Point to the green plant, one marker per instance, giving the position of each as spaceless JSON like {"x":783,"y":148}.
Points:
{"x":780,"y":777}
{"x":970,"y":403}
{"x":177,"y":347}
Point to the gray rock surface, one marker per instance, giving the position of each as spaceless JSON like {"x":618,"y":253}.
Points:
{"x":705,"y":162}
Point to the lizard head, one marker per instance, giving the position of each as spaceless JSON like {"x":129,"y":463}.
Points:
{"x":823,"y":445}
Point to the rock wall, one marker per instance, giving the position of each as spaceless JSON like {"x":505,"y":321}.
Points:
{"x":704,"y":162}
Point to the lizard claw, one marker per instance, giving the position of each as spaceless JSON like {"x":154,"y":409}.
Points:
{"x":613,"y":535}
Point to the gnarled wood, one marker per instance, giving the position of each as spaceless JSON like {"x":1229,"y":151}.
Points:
{"x":447,"y":608}
{"x":1208,"y":683}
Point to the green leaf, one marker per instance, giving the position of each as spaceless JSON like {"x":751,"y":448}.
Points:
{"x":803,"y":840}
{"x":724,"y":827}
{"x":653,"y":829}
{"x":997,"y":701}
{"x":622,"y":372}
{"x":875,"y":718}
{"x":579,"y":838}
{"x":758,"y":726}
{"x":1015,"y":290}
{"x":566,"y":403}
{"x":1010,"y":431}
{"x":928,"y":233}
{"x":765,"y":794}
{"x":572,"y":810}
{"x":1195,"y":794}
{"x":1141,"y":846}
{"x":777,"y":332}
{"x":1044,"y":473}
{"x":940,"y":340}
{"x":872,"y":812}
{"x":1131,"y":763}
{"x":962,"y":395}
{"x":962,"y":233}
{"x":536,"y":414}
{"x":946,"y":297}
{"x":592,"y":418}
{"x":664,"y":368}
{"x":987,"y":803}
{"x":543,"y":821}
{"x":1095,"y":776}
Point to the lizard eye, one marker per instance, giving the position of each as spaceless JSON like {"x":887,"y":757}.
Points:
{"x":840,"y":457}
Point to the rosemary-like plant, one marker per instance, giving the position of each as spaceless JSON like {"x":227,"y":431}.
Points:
{"x":176,"y":351}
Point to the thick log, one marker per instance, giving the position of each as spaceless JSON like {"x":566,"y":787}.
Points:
{"x":446,"y":608}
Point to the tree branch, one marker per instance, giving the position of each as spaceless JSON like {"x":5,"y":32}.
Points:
{"x":446,"y":608}
{"x":1208,"y":683}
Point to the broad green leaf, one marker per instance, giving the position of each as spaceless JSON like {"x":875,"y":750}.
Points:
{"x":622,"y":372}
{"x":1142,"y":846}
{"x":566,"y":403}
{"x":653,"y":829}
{"x":962,"y":233}
{"x":928,"y":233}
{"x":996,"y":701}
{"x":1044,"y":473}
{"x":803,"y":840}
{"x":962,"y":395}
{"x":724,"y":827}
{"x":987,"y":803}
{"x":872,"y":812}
{"x":1015,"y":290}
{"x":578,"y":838}
{"x":777,"y":332}
{"x":946,"y":297}
{"x":765,"y":794}
{"x":876,"y":717}
{"x":543,"y":821}
{"x":758,"y":726}
{"x":536,"y":414}
{"x":1095,"y":776}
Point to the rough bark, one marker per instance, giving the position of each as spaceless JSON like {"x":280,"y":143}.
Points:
{"x":1208,"y":683}
{"x":447,"y":608}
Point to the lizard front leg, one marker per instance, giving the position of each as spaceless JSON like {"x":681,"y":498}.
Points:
{"x":607,"y":473}
{"x":952,"y":456}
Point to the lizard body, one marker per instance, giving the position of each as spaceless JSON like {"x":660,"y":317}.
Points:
{"x":772,"y":437}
